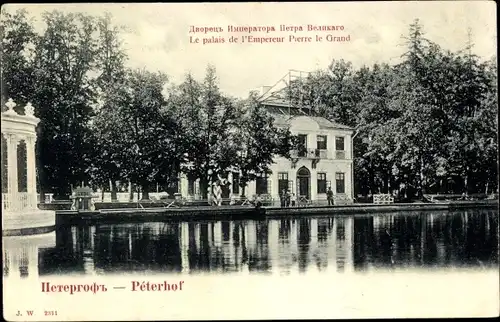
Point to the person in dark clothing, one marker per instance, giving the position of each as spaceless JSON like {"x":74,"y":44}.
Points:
{"x":329,"y":196}
{"x":287,"y":199}
{"x":283,"y":198}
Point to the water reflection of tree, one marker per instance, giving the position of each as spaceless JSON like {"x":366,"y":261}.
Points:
{"x":304,"y":238}
{"x":64,"y":258}
{"x":259,"y":261}
{"x":467,"y":238}
{"x":363,"y":242}
{"x":396,"y":240}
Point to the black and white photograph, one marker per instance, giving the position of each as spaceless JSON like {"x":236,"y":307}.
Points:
{"x":258,"y":160}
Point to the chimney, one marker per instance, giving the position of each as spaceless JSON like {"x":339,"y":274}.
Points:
{"x":265,"y":89}
{"x":261,"y":91}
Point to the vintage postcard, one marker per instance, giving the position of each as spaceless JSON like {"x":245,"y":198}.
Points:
{"x":213,"y":161}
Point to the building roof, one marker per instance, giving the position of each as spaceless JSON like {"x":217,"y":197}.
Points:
{"x":283,"y":114}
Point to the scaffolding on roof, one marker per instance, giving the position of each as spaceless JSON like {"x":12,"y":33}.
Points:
{"x":288,"y":93}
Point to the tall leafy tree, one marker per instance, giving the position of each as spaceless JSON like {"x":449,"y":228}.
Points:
{"x":110,"y":82}
{"x":259,"y":141}
{"x":425,"y":124}
{"x":148,"y":131}
{"x":18,"y":45}
{"x":52,"y":71}
{"x":208,"y":120}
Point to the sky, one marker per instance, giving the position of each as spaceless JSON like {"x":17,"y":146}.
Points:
{"x":158,"y":37}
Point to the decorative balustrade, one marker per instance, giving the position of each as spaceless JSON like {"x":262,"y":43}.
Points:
{"x":318,"y":154}
{"x":342,"y":199}
{"x":383,"y":199}
{"x":18,"y":201}
{"x":310,"y":154}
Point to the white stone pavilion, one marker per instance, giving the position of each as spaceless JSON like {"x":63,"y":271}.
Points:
{"x":20,"y":213}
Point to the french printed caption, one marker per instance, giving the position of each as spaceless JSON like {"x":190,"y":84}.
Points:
{"x":268,"y":34}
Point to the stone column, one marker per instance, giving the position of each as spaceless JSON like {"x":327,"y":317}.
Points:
{"x":12,"y":141}
{"x":31,"y":172}
{"x":313,"y":183}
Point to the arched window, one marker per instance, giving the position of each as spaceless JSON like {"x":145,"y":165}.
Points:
{"x":303,"y":172}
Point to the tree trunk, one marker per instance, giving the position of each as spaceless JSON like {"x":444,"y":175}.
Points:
{"x":130,"y":192}
{"x":145,"y":191}
{"x":486,"y":187}
{"x":243,"y":188}
{"x":372,"y":181}
{"x":102,"y":194}
{"x":389,"y":185}
{"x":386,"y":184}
{"x":466,"y":181}
{"x":204,"y":188}
{"x":112,"y":188}
{"x":61,"y":193}
{"x":421,"y":189}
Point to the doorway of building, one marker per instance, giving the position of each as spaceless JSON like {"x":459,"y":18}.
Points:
{"x":304,"y":183}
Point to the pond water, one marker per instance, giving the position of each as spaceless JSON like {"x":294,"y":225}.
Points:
{"x":298,"y":245}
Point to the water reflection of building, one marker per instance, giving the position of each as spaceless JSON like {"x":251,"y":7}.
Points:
{"x":276,"y":246}
{"x":20,"y":256}
{"x":343,"y":232}
{"x":284,"y":246}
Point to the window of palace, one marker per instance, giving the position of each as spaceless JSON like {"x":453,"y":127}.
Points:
{"x":340,"y":182}
{"x":322,"y":183}
{"x":321,"y":142}
{"x":339,"y":147}
{"x":302,"y":144}
{"x":261,"y":185}
{"x":282,"y":181}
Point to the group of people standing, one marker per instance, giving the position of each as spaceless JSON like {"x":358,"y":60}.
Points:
{"x":288,"y":199}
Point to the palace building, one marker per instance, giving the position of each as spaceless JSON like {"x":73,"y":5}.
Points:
{"x":323,"y":161}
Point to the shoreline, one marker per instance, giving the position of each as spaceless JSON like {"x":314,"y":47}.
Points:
{"x":117,"y":215}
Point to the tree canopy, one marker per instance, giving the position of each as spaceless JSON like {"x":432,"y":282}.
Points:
{"x":426,"y":124}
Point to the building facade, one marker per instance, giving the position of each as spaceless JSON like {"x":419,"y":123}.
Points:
{"x":325,"y":160}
